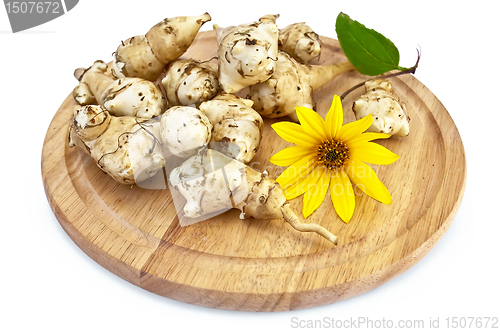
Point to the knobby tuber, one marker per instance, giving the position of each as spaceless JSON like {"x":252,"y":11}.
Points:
{"x":188,"y":82}
{"x":145,"y":56}
{"x":247,"y":54}
{"x":237,"y":127}
{"x":300,"y":42}
{"x":212,"y":182}
{"x":125,"y":96}
{"x":292,"y":84}
{"x":388,"y":113}
{"x":124,"y":148}
{"x":185,"y":130}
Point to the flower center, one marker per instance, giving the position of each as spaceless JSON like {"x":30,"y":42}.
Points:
{"x":333,"y":154}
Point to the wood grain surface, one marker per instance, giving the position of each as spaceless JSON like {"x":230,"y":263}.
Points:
{"x":265,"y":265}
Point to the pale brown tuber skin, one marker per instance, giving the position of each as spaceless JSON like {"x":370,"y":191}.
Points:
{"x":121,"y":97}
{"x":237,"y":127}
{"x":269,"y":18}
{"x":83,"y":95}
{"x":188,"y":82}
{"x":211,"y":182}
{"x":299,"y":41}
{"x":124,"y":148}
{"x":246,"y":53}
{"x":291,"y":85}
{"x":185,"y":130}
{"x":388,"y":113}
{"x":145,"y":56}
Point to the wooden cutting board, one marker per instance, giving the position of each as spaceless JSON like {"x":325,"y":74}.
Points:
{"x":265,"y":265}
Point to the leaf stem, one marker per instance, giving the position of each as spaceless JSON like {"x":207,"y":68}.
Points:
{"x":407,"y":71}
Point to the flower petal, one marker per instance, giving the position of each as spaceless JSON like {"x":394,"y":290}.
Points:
{"x":355,"y":128}
{"x":291,"y":155}
{"x":372,"y":153}
{"x":365,"y":179}
{"x":334,"y":118}
{"x":315,"y":195}
{"x":368,"y":136}
{"x":293,"y":133}
{"x":342,"y":195}
{"x":303,"y":183}
{"x":300,"y":168}
{"x":311,"y":122}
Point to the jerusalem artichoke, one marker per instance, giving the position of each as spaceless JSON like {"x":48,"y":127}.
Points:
{"x":185,"y":130}
{"x":124,"y":148}
{"x":299,"y":41}
{"x":247,"y":54}
{"x":388,"y":113}
{"x":213,"y":183}
{"x":291,"y":85}
{"x":145,"y":56}
{"x":126,"y":96}
{"x":188,"y":82}
{"x":237,"y":126}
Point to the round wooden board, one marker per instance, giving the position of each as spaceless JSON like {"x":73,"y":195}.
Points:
{"x":265,"y":265}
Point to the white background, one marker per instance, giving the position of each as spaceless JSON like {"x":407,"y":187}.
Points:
{"x":48,"y":283}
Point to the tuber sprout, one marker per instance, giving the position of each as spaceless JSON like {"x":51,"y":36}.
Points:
{"x":269,"y":18}
{"x":83,"y":95}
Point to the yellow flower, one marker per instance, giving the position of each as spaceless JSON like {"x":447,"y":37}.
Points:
{"x":329,"y":154}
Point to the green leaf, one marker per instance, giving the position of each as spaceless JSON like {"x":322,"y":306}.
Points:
{"x":369,"y":51}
